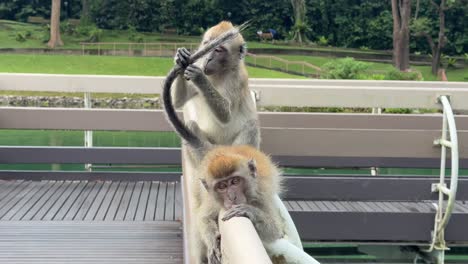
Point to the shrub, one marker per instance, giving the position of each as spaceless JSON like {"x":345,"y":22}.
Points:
{"x":133,"y":35}
{"x":322,"y":41}
{"x":346,"y":68}
{"x":20,"y":37}
{"x":90,"y":32}
{"x":395,"y":74}
{"x":67,"y":28}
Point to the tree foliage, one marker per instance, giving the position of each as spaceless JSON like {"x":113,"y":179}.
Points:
{"x":342,"y":23}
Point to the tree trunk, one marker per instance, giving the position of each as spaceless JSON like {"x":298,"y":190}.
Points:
{"x":401,"y":12}
{"x":84,"y":12}
{"x":55,"y":39}
{"x":437,"y":51}
{"x":299,"y":10}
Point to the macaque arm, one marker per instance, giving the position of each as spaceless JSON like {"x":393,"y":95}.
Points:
{"x":181,"y":91}
{"x":249,"y":135}
{"x":208,"y":228}
{"x":219,"y":105}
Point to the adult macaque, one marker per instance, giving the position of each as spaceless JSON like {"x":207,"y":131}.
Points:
{"x":217,"y":87}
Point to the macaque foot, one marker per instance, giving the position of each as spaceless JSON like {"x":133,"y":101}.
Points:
{"x":215,"y":254}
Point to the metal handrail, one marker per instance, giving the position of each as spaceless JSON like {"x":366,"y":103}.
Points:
{"x":441,"y":219}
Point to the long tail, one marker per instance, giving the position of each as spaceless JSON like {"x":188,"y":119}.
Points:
{"x":178,"y":125}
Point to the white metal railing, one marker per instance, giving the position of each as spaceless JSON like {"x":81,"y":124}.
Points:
{"x":442,"y":217}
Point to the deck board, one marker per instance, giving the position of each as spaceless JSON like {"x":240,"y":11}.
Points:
{"x":90,"y":201}
{"x":90,"y":242}
{"x":90,"y":222}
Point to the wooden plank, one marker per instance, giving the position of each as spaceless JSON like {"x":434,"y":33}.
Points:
{"x":376,"y":227}
{"x":143,"y":202}
{"x":357,"y":143}
{"x":89,"y":201}
{"x":376,"y":94}
{"x":121,"y":155}
{"x":65,"y":202}
{"x":35,"y":200}
{"x":82,"y":196}
{"x":170,"y":202}
{"x":39,"y":209}
{"x":83,"y":119}
{"x":80,"y":83}
{"x":178,"y":204}
{"x":124,"y":202}
{"x":155,"y":120}
{"x":101,"y":197}
{"x":6,"y":214}
{"x":5,"y":186}
{"x":152,"y":202}
{"x":366,"y":188}
{"x":97,"y":242}
{"x":114,"y":205}
{"x":357,"y":121}
{"x":9,"y":188}
{"x":88,"y":175}
{"x":25,"y":193}
{"x":340,"y":93}
{"x":161,"y":202}
{"x":133,"y":204}
{"x":20,"y":191}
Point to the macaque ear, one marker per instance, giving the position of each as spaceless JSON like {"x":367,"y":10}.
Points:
{"x":205,"y":184}
{"x":243,"y":50}
{"x":252,"y":167}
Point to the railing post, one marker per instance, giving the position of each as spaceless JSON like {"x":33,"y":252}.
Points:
{"x":114,"y":49}
{"x":99,"y":49}
{"x":88,"y":134}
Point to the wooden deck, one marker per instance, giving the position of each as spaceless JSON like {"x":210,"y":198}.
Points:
{"x":90,"y":201}
{"x":90,"y":222}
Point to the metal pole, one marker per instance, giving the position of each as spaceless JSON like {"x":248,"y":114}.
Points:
{"x":88,"y":135}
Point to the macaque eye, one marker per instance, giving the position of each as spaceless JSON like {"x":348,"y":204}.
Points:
{"x":219,"y":49}
{"x":235,"y":180}
{"x":221,"y":186}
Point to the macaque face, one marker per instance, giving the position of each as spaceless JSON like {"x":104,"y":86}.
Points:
{"x":231,"y":191}
{"x":217,"y":60}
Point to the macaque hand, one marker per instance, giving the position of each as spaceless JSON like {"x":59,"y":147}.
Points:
{"x":239,"y":210}
{"x":182,"y":57}
{"x":195,"y":74}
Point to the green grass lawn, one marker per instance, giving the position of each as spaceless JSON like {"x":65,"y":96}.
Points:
{"x":75,"y":64}
{"x":454,"y":75}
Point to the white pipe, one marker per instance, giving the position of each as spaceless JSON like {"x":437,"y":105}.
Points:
{"x":240,"y":242}
{"x":290,"y":229}
{"x":454,"y":159}
{"x":290,"y":252}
